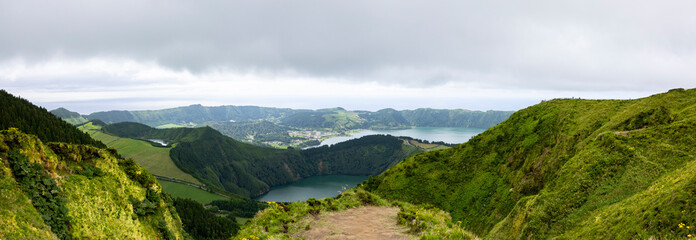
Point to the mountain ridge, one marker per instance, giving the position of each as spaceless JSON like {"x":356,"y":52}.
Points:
{"x":199,"y":114}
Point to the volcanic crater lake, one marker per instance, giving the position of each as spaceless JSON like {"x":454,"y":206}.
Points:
{"x":329,"y":186}
{"x":312,"y":187}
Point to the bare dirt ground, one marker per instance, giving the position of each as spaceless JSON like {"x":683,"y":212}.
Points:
{"x":357,"y":223}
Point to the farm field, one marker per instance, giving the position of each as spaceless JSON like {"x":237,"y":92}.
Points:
{"x":156,"y":160}
{"x":185,"y":191}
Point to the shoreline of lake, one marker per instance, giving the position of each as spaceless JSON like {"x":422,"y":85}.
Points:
{"x":452,"y":135}
{"x":312,"y":187}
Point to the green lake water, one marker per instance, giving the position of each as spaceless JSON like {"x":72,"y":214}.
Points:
{"x":312,"y":187}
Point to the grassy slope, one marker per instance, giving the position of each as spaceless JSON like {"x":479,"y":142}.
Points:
{"x":569,"y":168}
{"x":98,"y":206}
{"x":343,"y":119}
{"x":155,"y":159}
{"x":179,"y":190}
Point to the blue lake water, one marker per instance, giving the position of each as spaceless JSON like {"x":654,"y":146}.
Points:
{"x":445,"y":134}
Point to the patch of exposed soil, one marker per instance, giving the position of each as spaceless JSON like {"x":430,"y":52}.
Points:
{"x":357,"y":223}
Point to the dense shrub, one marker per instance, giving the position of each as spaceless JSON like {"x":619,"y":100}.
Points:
{"x":44,"y":193}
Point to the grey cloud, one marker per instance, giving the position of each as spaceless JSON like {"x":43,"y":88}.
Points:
{"x":590,"y":45}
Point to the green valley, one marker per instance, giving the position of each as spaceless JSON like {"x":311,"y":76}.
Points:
{"x":222,"y":162}
{"x":563,"y":169}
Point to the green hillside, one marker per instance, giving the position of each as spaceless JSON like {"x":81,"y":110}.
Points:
{"x":254,"y":131}
{"x":20,"y":113}
{"x":566,"y":169}
{"x":65,"y":191}
{"x":249,"y":170}
{"x":333,"y":118}
{"x":290,"y":221}
{"x":195,"y":114}
{"x":68,"y":116}
{"x":151,"y":157}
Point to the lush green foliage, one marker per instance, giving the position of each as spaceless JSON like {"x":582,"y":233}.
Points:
{"x":201,"y":223}
{"x":45,"y":194}
{"x":21,"y":114}
{"x":240,"y":207}
{"x":283,"y":221}
{"x":249,"y":170}
{"x":566,"y":168}
{"x":368,"y":155}
{"x":80,"y":192}
{"x":19,"y":219}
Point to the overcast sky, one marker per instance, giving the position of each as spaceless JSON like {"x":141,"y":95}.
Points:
{"x":142,"y":54}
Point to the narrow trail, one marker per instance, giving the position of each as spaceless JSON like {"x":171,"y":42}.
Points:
{"x":357,"y":223}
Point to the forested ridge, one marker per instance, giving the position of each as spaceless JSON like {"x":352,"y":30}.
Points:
{"x":249,"y":170}
{"x":567,"y":169}
{"x":27,"y":117}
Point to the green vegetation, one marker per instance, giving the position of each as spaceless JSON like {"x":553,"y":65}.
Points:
{"x":180,"y":190}
{"x":368,"y":155}
{"x":152,"y":157}
{"x":258,"y":132}
{"x":284,"y":221}
{"x":566,"y":168}
{"x":45,"y":194}
{"x":238,"y":207}
{"x":155,"y":159}
{"x":195,"y":114}
{"x":201,"y":223}
{"x":19,"y":219}
{"x":274,"y":126}
{"x":78,"y":191}
{"x":333,"y":118}
{"x":427,"y":117}
{"x":170,"y":125}
{"x":248,"y":170}
{"x":68,"y":116}
{"x":21,"y":114}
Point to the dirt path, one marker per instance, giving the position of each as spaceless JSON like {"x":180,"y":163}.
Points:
{"x":357,"y":223}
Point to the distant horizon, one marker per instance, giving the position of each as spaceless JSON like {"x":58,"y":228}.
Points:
{"x":310,"y":109}
{"x":88,"y":107}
